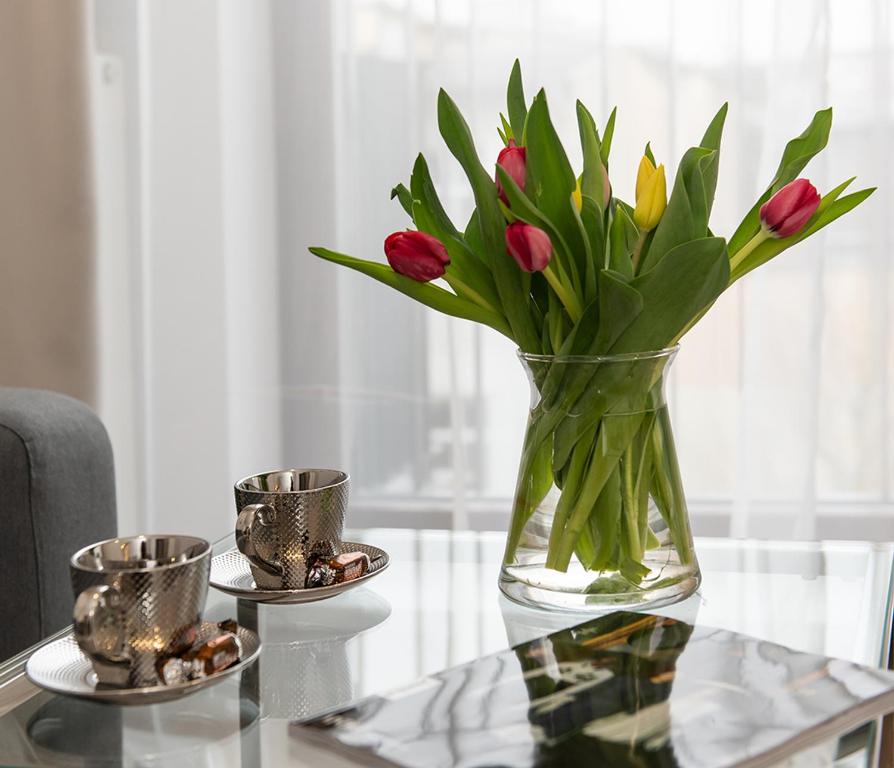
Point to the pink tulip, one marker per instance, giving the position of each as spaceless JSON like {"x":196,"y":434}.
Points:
{"x":416,"y":255}
{"x":512,"y":160}
{"x":530,"y":246}
{"x":790,"y":208}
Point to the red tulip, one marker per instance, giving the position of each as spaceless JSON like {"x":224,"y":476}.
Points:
{"x":512,"y":160}
{"x":530,"y":246}
{"x":416,"y":255}
{"x":790,"y":208}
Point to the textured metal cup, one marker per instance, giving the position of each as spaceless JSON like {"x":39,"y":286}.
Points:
{"x":285,"y":515}
{"x":136,"y":598}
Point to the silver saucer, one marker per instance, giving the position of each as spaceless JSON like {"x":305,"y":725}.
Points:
{"x":63,"y":668}
{"x":230,"y":573}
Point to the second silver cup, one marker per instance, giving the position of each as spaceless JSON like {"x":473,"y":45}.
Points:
{"x":284,"y":516}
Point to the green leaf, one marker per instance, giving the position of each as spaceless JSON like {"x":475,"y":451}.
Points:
{"x":623,"y":235}
{"x":591,"y":180}
{"x":550,"y":179}
{"x":426,"y":293}
{"x":798,"y":152}
{"x":686,"y":216}
{"x":831,"y":208}
{"x":423,"y":190}
{"x":648,"y":153}
{"x":688,"y":278}
{"x":404,"y":198}
{"x":515,"y":101}
{"x":711,"y":140}
{"x":607,"y":137}
{"x":507,"y":132}
{"x":714,"y":132}
{"x":508,"y":277}
{"x":606,"y":519}
{"x":430,"y":217}
{"x":593,"y":223}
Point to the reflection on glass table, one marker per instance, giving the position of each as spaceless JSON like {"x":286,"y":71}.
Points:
{"x":437,"y":605}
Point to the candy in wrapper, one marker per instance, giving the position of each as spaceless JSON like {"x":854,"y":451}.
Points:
{"x":171,"y":670}
{"x":336,"y":570}
{"x":228,"y":625}
{"x":322,"y":549}
{"x":213,"y":655}
{"x":185,"y":640}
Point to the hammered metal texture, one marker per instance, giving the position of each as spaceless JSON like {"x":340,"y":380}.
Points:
{"x":231,"y":573}
{"x":156,"y":607}
{"x":63,"y":668}
{"x":301,"y":521}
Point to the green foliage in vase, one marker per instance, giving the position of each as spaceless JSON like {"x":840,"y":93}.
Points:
{"x":553,"y":260}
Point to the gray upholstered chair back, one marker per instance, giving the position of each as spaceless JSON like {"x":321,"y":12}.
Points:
{"x":57,"y":494}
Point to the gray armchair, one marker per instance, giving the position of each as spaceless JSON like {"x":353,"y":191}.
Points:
{"x":57,"y":494}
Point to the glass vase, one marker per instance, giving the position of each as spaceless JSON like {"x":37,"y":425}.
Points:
{"x":599,"y":519}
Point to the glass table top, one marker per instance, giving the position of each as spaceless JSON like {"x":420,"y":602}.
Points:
{"x":436,"y":606}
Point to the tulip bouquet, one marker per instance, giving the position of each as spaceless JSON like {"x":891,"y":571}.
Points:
{"x":595,"y":292}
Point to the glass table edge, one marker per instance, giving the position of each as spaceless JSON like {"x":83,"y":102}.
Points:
{"x":14,"y":667}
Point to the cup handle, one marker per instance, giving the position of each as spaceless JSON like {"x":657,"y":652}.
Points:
{"x":98,"y":627}
{"x":250,"y":516}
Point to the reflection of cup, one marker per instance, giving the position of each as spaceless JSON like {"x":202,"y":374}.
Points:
{"x":305,"y":668}
{"x":136,"y":598}
{"x":205,"y":728}
{"x":283,"y":516}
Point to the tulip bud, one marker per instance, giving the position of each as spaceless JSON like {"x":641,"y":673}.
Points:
{"x":787,"y":212}
{"x":530,"y":246}
{"x":416,"y":255}
{"x":512,"y":160}
{"x":651,"y":195}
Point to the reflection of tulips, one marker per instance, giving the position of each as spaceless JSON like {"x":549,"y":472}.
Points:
{"x":786,"y":213}
{"x":416,"y":255}
{"x":593,"y":687}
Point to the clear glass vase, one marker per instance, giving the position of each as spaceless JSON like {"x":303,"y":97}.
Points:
{"x":599,"y":520}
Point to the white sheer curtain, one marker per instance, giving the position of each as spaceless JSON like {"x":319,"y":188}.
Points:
{"x":780,"y":396}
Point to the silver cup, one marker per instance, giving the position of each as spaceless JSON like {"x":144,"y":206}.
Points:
{"x":136,"y":598}
{"x":284,"y":516}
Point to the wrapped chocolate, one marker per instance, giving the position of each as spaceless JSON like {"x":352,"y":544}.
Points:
{"x":323,"y":572}
{"x":228,"y":625}
{"x":325,"y":549}
{"x":171,"y":670}
{"x":213,"y":655}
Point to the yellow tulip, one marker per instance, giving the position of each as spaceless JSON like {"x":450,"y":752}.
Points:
{"x":651,"y":195}
{"x":577,"y":196}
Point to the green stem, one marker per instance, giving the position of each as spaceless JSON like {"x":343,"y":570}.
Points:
{"x":464,"y":290}
{"x":579,"y":460}
{"x":566,"y":296}
{"x":615,"y":434}
{"x":637,"y":250}
{"x":739,"y":256}
{"x":631,"y":516}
